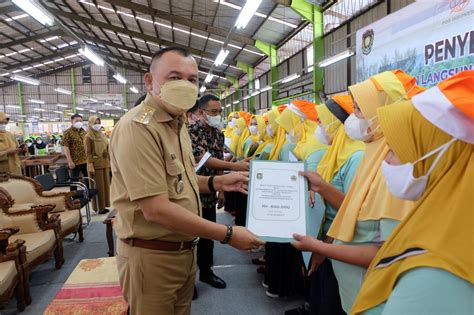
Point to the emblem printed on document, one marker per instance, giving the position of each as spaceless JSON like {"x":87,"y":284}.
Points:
{"x":144,"y":116}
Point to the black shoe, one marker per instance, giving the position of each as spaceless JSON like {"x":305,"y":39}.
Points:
{"x":103,"y":211}
{"x":195,"y":294}
{"x":297,"y":311}
{"x":213,"y":280}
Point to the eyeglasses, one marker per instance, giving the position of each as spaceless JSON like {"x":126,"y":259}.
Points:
{"x":213,"y":111}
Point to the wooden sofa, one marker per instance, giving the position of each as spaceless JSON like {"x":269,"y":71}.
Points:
{"x":28,"y":192}
{"x":13,"y":266}
{"x":37,"y":228}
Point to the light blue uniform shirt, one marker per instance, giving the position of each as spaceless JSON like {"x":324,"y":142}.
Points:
{"x":427,"y":290}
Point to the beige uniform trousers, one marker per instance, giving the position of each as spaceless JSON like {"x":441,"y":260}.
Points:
{"x":156,"y":282}
{"x":102,"y":179}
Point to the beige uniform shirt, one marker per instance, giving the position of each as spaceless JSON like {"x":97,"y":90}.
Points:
{"x":150,"y":154}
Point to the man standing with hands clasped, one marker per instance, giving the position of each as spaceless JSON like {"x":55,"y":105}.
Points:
{"x":156,"y":192}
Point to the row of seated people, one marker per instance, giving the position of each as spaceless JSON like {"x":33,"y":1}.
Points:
{"x":33,"y":225}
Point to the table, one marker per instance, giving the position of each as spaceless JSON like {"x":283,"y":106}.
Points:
{"x":38,"y":164}
{"x":109,"y":233}
{"x":93,"y":288}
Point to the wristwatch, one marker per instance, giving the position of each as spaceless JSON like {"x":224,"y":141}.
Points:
{"x":228,"y":235}
{"x":210,"y":184}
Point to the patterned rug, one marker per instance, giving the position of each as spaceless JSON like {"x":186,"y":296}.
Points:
{"x":92,"y":288}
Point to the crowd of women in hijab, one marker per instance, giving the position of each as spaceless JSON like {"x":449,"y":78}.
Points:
{"x":391,"y":166}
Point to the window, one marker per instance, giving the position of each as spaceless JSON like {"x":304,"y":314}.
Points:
{"x":309,"y":58}
{"x":86,"y":74}
{"x":295,"y":44}
{"x":262,"y":67}
{"x":342,"y":11}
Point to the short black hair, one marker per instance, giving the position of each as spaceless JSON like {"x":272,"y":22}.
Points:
{"x":202,"y":102}
{"x":140,"y":100}
{"x":75,"y":116}
{"x":179,"y":50}
{"x":194,"y":108}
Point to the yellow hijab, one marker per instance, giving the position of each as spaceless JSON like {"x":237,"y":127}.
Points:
{"x":279,"y":138}
{"x":100,"y":141}
{"x":245,"y":134}
{"x":228,"y":130}
{"x":368,"y":197}
{"x":234,"y":139}
{"x":341,"y":149}
{"x":267,"y":139}
{"x":440,"y":222}
{"x":260,"y":126}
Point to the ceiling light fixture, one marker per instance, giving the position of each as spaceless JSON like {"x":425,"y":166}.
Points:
{"x":24,"y":79}
{"x":35,"y":11}
{"x":208,"y":78}
{"x":134,"y":89}
{"x":221,"y":57}
{"x":120,"y":78}
{"x":338,"y":57}
{"x":247,"y":13}
{"x":92,"y":56}
{"x":290,"y":78}
{"x":37,"y":101}
{"x":63,"y":91}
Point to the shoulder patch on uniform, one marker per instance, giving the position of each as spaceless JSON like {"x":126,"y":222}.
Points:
{"x":144,"y":115}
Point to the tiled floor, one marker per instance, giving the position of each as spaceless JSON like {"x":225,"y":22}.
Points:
{"x":244,"y":293}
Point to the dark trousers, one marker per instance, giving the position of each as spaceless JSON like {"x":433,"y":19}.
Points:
{"x":205,"y":247}
{"x":324,"y":292}
{"x":77,"y":171}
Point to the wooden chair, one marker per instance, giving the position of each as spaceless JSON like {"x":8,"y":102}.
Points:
{"x":28,"y":192}
{"x":13,"y":278}
{"x":40,"y":231}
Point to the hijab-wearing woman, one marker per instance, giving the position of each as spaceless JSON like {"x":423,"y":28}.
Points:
{"x":426,"y":266}
{"x":336,"y":171}
{"x":257,"y":134}
{"x":284,"y":275}
{"x":9,"y":159}
{"x":98,"y":163}
{"x":271,"y":132}
{"x":40,"y":146}
{"x":367,"y":213}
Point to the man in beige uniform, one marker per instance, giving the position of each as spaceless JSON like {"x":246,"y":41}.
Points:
{"x":156,"y":192}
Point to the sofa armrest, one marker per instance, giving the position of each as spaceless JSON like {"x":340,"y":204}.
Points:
{"x":9,"y":251}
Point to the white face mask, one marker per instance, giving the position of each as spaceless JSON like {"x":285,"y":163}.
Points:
{"x":3,"y":127}
{"x":400,"y":180}
{"x":77,"y":125}
{"x":214,"y":121}
{"x":269,"y":131}
{"x":322,"y":135}
{"x":291,"y":139}
{"x":237,"y":131}
{"x":358,"y":128}
{"x":39,"y":141}
{"x":29,"y":144}
{"x":96,"y":127}
{"x":253,"y":130}
{"x":232,"y":123}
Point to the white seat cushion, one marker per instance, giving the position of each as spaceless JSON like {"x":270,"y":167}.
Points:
{"x":7,"y":274}
{"x":36,"y":243}
{"x":69,"y":219}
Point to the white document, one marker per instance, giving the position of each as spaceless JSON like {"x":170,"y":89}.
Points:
{"x":227,"y":141}
{"x":278,"y":200}
{"x":203,"y":161}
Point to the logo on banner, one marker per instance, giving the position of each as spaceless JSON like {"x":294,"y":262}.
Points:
{"x":367,"y":41}
{"x":458,"y":5}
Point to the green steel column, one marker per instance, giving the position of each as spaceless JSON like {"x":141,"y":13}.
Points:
{"x":271,"y":51}
{"x":313,"y":14}
{"x":250,"y":74}
{"x":73,"y":89}
{"x":235,"y":83}
{"x":21,"y":103}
